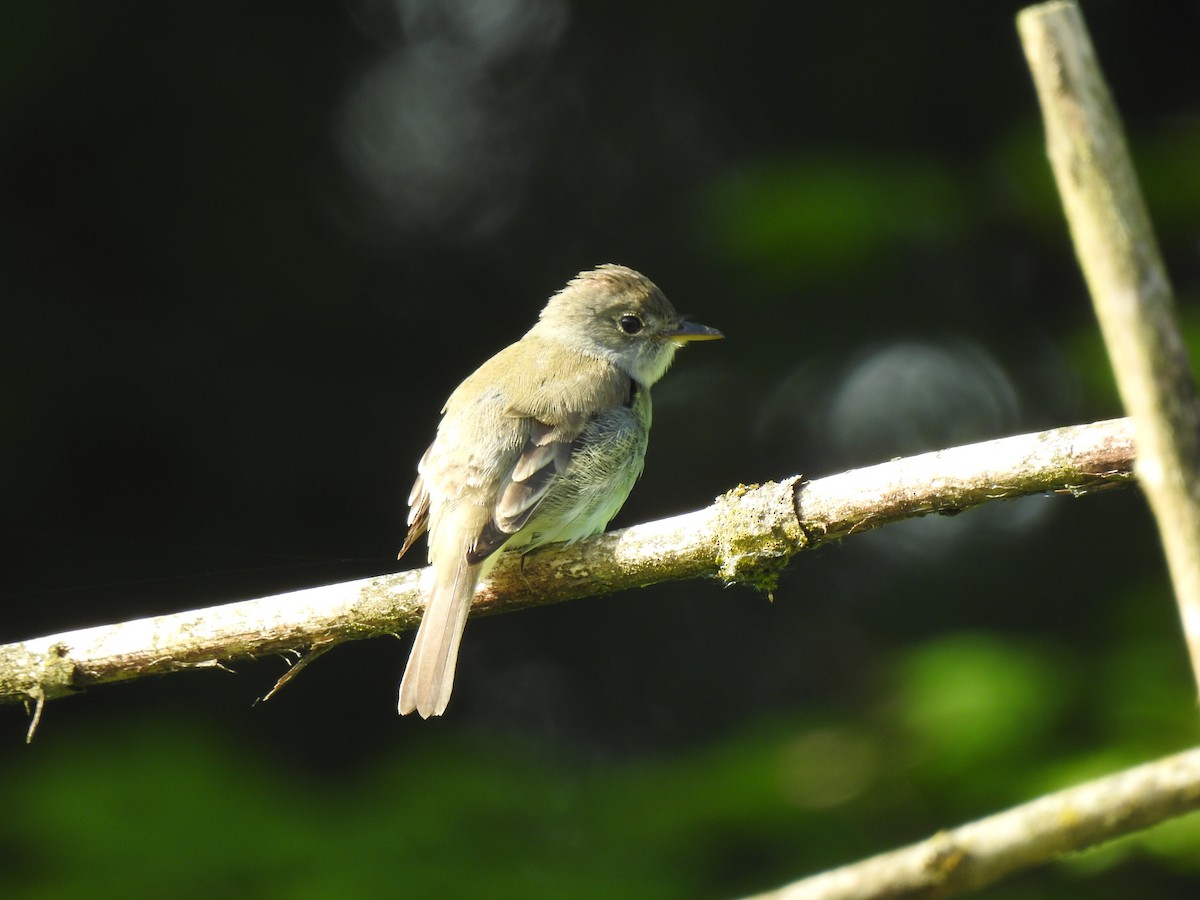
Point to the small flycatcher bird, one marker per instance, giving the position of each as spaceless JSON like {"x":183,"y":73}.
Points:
{"x":542,"y":443}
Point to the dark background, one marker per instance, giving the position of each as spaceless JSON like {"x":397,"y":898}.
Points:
{"x":246,"y":250}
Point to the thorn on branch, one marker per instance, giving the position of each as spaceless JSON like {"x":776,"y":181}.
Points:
{"x":302,"y":660}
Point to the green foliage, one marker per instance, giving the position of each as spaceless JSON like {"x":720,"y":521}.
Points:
{"x":976,"y":700}
{"x":825,"y":216}
{"x":172,"y":809}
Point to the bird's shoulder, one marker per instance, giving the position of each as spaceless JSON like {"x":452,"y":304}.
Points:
{"x":547,"y":381}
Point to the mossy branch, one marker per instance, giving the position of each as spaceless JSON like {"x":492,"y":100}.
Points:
{"x":747,"y":536}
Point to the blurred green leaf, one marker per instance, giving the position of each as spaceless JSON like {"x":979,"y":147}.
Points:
{"x":973,"y":700}
{"x":822,"y":216}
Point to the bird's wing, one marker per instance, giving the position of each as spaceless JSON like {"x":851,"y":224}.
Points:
{"x":418,"y":507}
{"x":554,"y":432}
{"x":560,"y":391}
{"x":546,"y":455}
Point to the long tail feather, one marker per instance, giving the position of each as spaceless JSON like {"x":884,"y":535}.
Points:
{"x":429,"y":675}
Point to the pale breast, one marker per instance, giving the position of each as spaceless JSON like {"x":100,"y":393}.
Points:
{"x":607,"y":461}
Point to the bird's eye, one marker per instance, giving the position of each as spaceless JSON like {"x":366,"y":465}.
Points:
{"x":631,"y":324}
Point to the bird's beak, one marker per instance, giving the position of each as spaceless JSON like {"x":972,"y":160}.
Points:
{"x":693,"y":331}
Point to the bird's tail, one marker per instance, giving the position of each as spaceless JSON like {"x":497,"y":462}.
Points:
{"x":429,"y":675}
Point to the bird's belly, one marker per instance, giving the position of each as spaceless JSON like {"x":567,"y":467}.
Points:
{"x":584,"y":499}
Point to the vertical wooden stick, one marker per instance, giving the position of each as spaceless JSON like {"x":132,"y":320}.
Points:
{"x":1120,"y":259}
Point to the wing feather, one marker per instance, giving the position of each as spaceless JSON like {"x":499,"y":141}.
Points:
{"x":418,"y":507}
{"x":553,"y":412}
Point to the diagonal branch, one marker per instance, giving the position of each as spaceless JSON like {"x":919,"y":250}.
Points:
{"x":984,"y":851}
{"x":1115,"y":243}
{"x":746,"y":536}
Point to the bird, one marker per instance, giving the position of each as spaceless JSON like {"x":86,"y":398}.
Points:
{"x":541,"y":444}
